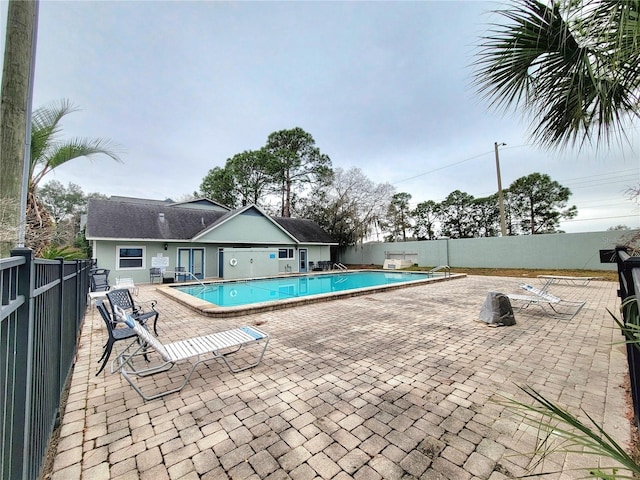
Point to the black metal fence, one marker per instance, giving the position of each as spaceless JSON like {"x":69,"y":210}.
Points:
{"x":42,"y":306}
{"x":629,"y":277}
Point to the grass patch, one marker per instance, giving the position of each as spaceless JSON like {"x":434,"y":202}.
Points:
{"x":608,"y":275}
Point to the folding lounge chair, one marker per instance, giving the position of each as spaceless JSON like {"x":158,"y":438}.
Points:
{"x":217,"y":345}
{"x":550,"y":304}
{"x":578,"y":281}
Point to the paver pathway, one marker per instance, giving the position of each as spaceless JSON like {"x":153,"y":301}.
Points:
{"x":395,"y":385}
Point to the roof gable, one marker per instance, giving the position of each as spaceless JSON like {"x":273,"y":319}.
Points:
{"x":120,"y":218}
{"x":248,"y":225}
{"x":203,"y":203}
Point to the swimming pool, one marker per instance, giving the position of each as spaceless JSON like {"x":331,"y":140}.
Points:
{"x":252,"y":295}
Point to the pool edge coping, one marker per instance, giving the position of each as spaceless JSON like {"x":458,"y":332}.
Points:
{"x":211,"y":310}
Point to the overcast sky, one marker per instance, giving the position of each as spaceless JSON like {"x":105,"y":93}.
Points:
{"x":182,"y":86}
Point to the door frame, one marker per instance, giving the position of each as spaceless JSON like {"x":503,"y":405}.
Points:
{"x":303,"y":263}
{"x":192,"y":252}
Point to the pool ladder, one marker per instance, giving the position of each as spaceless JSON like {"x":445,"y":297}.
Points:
{"x":339,"y":266}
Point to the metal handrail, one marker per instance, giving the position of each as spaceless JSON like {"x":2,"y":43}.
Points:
{"x":446,"y":268}
{"x":187,"y":273}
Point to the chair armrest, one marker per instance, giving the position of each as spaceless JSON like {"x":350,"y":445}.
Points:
{"x":142,"y":317}
{"x":139,"y":309}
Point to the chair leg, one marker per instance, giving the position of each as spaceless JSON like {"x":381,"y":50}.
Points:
{"x":246,"y":367}
{"x":104,"y":352}
{"x":155,"y":324}
{"x":128,"y":374}
{"x":106,"y":355}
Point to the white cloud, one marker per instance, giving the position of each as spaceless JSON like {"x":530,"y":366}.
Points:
{"x":384,"y":86}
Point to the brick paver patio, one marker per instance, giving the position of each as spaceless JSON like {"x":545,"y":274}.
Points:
{"x":395,"y":385}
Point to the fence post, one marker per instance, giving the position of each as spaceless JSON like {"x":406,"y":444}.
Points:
{"x":629,"y":280}
{"x":77,"y":283}
{"x":61,"y":319}
{"x":24,"y":370}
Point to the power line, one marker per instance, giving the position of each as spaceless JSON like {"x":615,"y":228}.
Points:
{"x":598,"y":218}
{"x":458,"y":163}
{"x":595,"y":178}
{"x":580,"y":182}
{"x":622,"y":172}
{"x":443,"y":167}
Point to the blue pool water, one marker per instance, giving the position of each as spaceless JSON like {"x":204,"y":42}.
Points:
{"x":246,"y":292}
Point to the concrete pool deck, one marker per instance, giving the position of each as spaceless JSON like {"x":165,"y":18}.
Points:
{"x":389,"y":385}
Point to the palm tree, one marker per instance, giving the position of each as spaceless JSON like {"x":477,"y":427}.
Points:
{"x":47,"y":153}
{"x":573,"y":66}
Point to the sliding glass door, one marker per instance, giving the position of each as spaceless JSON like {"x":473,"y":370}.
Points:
{"x":193,"y":261}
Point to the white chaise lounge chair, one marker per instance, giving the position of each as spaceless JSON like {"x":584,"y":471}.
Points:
{"x":217,"y":345}
{"x":578,"y":281}
{"x":550,"y":304}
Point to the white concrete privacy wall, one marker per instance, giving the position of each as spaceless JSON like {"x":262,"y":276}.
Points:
{"x":576,"y":251}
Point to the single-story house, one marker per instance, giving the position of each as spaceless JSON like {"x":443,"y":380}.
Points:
{"x":201,"y":238}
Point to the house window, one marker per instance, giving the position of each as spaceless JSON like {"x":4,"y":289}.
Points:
{"x":285,"y":253}
{"x":130,"y":258}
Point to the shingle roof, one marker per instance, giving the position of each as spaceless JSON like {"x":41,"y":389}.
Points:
{"x":154,"y":220}
{"x":305,"y":231}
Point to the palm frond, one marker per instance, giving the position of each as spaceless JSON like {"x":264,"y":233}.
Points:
{"x":629,"y":329}
{"x":65,"y":252}
{"x":71,"y":149}
{"x":48,"y":152}
{"x":572,"y":67}
{"x":559,"y":431}
{"x":45,"y":126}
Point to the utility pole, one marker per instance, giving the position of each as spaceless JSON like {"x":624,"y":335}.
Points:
{"x":15,"y":119}
{"x":503,"y":225}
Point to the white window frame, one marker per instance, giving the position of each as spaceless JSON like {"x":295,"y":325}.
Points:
{"x":289,"y":251}
{"x":143,"y":258}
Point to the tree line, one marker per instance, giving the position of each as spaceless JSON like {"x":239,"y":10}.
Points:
{"x":533,"y":204}
{"x":290,"y":176}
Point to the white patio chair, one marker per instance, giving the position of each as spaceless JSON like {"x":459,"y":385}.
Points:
{"x":127,"y":282}
{"x":216,"y":345}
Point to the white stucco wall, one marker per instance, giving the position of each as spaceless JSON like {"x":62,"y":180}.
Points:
{"x":250,"y":262}
{"x":580,"y":251}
